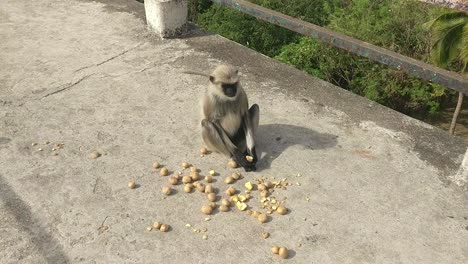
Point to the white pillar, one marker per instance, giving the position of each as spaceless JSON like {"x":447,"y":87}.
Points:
{"x":167,"y":18}
{"x":461,"y":178}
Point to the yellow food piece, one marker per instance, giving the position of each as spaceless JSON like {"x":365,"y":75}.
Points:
{"x":236,"y":175}
{"x":248,"y":185}
{"x":204,"y":237}
{"x":149,"y":228}
{"x":164,"y":228}
{"x":235,"y":198}
{"x":212,"y":172}
{"x":261,"y":187}
{"x":249,"y":158}
{"x":283,"y":252}
{"x":241,"y":206}
{"x":242,"y":198}
{"x":131,"y":185}
{"x":255,"y":214}
{"x":265,"y":235}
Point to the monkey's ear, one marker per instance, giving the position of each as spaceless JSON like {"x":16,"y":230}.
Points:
{"x":212,"y":79}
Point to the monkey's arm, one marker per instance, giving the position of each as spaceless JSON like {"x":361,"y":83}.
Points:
{"x":251,"y":120}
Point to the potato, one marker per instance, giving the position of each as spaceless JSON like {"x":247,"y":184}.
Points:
{"x":230,"y":191}
{"x":186,"y":179}
{"x":229,"y":180}
{"x":188,"y":188}
{"x":193,"y":169}
{"x":236,"y":175}
{"x":209,"y":178}
{"x":265,"y":235}
{"x":156,"y":165}
{"x":232,"y":164}
{"x":164,"y":171}
{"x":263,"y":218}
{"x":225,"y":202}
{"x":209,"y":188}
{"x":211,"y":197}
{"x":167,"y":190}
{"x":203,"y":151}
{"x":131,"y":185}
{"x":264,"y":193}
{"x":173,"y":180}
{"x":223,"y":208}
{"x":268,"y":184}
{"x":195,"y":176}
{"x":283,"y":252}
{"x":213,"y":205}
{"x":94,"y":155}
{"x":255,"y":214}
{"x":201,"y":187}
{"x":156,"y":225}
{"x":282,"y":210}
{"x":164,"y":228}
{"x":185,"y":165}
{"x":261,"y":187}
{"x":206,"y":209}
{"x":275,"y":249}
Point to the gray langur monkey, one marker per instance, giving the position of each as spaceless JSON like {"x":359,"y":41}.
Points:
{"x":229,"y":126}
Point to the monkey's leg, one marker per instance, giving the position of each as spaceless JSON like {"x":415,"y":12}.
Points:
{"x":251,"y":127}
{"x":216,"y":139}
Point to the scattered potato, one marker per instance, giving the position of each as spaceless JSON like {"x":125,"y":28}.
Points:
{"x":131,"y":185}
{"x":188,"y":188}
{"x":255,"y":214}
{"x":209,"y":188}
{"x":249,"y":212}
{"x":164,"y":228}
{"x":275,"y":249}
{"x":262,"y":218}
{"x":167,"y":190}
{"x":261,"y":187}
{"x":193,"y":169}
{"x":156,"y":165}
{"x":164,"y":172}
{"x":149,"y":228}
{"x":213,"y":205}
{"x":249,"y":158}
{"x":248,"y":196}
{"x":265,"y":235}
{"x":268,"y":184}
{"x":211,"y":197}
{"x":232,"y":164}
{"x":282,"y":210}
{"x":236,"y":175}
{"x":229,"y":180}
{"x":206,"y":209}
{"x":156,"y":225}
{"x":94,"y":155}
{"x":201,"y":187}
{"x":203,"y":151}
{"x":283,"y":252}
{"x":212,"y":172}
{"x":204,"y":237}
{"x":264,"y":193}
{"x":185,"y":165}
{"x":225,"y":202}
{"x":186,"y":179}
{"x":195,"y":176}
{"x":209,"y":178}
{"x":173,"y":180}
{"x":223,"y":208}
{"x":230,"y":191}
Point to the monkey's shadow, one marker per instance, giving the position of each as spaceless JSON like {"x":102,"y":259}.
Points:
{"x":273,"y":139}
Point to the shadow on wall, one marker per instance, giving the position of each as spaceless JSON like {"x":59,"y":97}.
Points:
{"x":42,"y":240}
{"x":273,"y":139}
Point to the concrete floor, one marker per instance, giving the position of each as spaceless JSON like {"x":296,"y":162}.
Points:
{"x":375,"y":187}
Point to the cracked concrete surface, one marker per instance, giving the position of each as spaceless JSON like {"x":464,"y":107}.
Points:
{"x":375,"y":187}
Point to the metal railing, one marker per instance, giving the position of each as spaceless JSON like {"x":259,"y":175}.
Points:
{"x":414,"y":67}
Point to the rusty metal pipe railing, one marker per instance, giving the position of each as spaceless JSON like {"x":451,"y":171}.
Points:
{"x":414,"y":67}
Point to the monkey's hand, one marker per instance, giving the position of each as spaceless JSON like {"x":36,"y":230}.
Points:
{"x":241,"y":159}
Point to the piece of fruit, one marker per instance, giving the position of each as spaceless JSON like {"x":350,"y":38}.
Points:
{"x":212,"y":172}
{"x":241,"y":206}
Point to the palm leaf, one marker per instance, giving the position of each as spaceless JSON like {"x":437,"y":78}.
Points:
{"x":448,"y":46}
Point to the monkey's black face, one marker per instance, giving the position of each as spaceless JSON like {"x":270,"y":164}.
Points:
{"x":229,"y":89}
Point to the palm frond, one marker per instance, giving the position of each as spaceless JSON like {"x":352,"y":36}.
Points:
{"x":448,"y":46}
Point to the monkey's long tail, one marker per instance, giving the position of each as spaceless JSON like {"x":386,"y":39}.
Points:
{"x":196,"y":73}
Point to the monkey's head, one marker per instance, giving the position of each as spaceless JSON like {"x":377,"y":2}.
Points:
{"x":225,"y":82}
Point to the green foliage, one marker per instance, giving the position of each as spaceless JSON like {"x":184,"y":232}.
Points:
{"x":451,"y":38}
{"x":393,"y":24}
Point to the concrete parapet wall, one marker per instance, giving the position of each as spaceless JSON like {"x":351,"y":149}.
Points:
{"x":167,"y":18}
